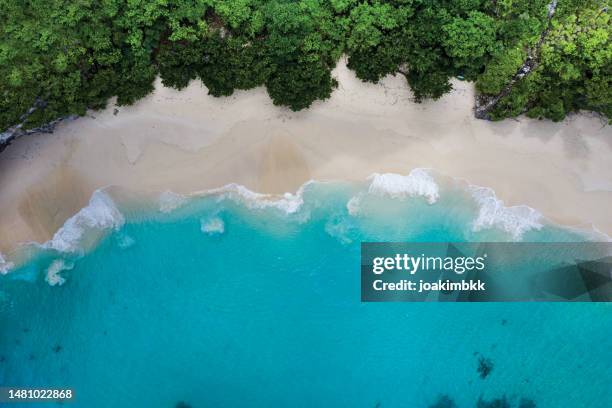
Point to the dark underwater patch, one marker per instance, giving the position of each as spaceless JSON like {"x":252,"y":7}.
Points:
{"x":527,"y":403}
{"x":495,"y":403}
{"x":444,"y":401}
{"x":504,"y":403}
{"x":485,"y":366}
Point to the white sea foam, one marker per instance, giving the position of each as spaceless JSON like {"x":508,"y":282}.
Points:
{"x":515,"y":220}
{"x":100,"y":214}
{"x":418,"y":183}
{"x":53,"y":277}
{"x":288,"y":202}
{"x":354,"y":205}
{"x":341,"y":229}
{"x":170,"y":201}
{"x":5,"y":266}
{"x":125,"y":241}
{"x":600,"y":235}
{"x":212,"y":226}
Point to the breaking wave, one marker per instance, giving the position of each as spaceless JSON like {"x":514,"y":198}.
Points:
{"x":515,"y":220}
{"x":99,"y":215}
{"x":418,"y":183}
{"x":492,"y":213}
{"x":170,"y":201}
{"x":288,"y":203}
{"x":5,"y":266}
{"x":81,"y":231}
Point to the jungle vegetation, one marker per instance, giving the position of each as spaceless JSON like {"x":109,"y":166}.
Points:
{"x":540,"y":57}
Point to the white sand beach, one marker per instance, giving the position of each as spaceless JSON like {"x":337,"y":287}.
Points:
{"x":188,"y":141}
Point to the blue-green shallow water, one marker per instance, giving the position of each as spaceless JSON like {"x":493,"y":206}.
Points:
{"x":268,"y":313}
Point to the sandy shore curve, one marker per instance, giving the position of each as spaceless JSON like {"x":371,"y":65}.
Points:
{"x":188,"y":141}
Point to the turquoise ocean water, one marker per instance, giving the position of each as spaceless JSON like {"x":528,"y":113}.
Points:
{"x":234,"y":299}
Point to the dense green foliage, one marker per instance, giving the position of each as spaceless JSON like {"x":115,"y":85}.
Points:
{"x":65,"y":56}
{"x":575,"y":66}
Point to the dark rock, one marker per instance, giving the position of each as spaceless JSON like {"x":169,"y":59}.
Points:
{"x":182,"y":404}
{"x":57,"y":349}
{"x":7,"y":136}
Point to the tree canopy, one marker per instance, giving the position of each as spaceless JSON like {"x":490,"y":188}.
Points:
{"x":63,"y":57}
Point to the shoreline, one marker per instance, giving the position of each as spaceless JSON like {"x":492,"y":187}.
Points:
{"x":186,"y":141}
{"x":109,"y":208}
